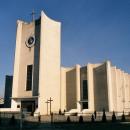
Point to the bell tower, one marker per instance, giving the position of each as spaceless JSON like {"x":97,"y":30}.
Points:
{"x":36,"y":75}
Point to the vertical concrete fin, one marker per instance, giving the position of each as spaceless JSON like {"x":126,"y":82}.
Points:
{"x":49,"y":72}
{"x":16,"y":64}
{"x":78,"y":86}
{"x":90,"y":87}
{"x":109,"y":84}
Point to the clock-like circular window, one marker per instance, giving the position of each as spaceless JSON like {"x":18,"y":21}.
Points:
{"x":30,"y":41}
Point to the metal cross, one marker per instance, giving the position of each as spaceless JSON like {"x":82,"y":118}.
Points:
{"x":47,"y":105}
{"x":33,"y":15}
{"x":50,"y":100}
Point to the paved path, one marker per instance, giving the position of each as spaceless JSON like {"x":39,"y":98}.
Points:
{"x":73,"y":126}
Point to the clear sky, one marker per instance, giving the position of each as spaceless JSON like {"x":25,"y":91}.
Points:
{"x":92,"y":30}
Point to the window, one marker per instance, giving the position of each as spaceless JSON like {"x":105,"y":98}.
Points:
{"x":18,"y":106}
{"x":29,"y":78}
{"x":85,"y":89}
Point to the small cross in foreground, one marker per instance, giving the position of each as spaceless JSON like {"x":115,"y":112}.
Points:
{"x":50,"y":100}
{"x":47,"y":105}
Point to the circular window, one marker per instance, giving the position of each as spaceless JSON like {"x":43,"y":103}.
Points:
{"x":30,"y":41}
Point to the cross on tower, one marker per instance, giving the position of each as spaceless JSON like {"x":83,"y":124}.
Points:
{"x":33,"y":15}
{"x":47,"y":105}
{"x":50,"y":100}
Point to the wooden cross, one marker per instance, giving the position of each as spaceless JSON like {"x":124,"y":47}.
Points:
{"x":47,"y":105}
{"x":50,"y":100}
{"x":33,"y":15}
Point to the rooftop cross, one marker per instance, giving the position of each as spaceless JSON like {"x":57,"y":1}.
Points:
{"x":33,"y":15}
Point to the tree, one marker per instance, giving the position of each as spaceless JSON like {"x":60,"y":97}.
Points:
{"x":113,"y":117}
{"x":92,"y":118}
{"x":60,"y":112}
{"x":123,"y":117}
{"x":104,"y":119}
{"x":95,"y":114}
{"x":81,"y":119}
{"x":12,"y":120}
{"x":68,"y":119}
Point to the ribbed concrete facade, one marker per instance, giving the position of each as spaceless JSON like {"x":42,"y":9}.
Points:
{"x":107,"y":87}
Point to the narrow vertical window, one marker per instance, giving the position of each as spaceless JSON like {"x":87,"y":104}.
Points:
{"x":29,"y":78}
{"x":85,"y":89}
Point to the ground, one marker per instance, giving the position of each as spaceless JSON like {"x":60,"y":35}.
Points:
{"x":60,"y":123}
{"x":72,"y":126}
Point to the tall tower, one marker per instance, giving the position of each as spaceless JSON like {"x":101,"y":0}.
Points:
{"x":37,"y":65}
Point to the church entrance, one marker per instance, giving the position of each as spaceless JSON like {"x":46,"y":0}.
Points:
{"x":85,"y":105}
{"x":28,"y":106}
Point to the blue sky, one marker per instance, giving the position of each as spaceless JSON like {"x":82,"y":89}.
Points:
{"x":92,"y":30}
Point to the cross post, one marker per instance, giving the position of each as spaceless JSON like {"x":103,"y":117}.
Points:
{"x":47,"y":105}
{"x":33,"y":15}
{"x":50,"y":100}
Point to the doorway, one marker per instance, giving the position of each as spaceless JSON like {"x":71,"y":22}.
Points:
{"x":28,"y":106}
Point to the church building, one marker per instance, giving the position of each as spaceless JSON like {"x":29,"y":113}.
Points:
{"x":41,"y":84}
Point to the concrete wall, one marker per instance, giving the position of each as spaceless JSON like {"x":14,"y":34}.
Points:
{"x":36,"y":58}
{"x":108,"y":87}
{"x":49,"y":76}
{"x":114,"y":87}
{"x":119,"y":86}
{"x":126,"y":91}
{"x":23,"y":56}
{"x":63,"y":89}
{"x":26,"y":58}
{"x":71,"y":99}
{"x":100,"y":88}
{"x":78,"y":88}
{"x":120,"y":90}
{"x":17,"y":60}
{"x":63,"y":94}
{"x":90,"y":77}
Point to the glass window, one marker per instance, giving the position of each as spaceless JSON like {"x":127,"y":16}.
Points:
{"x":29,"y":78}
{"x":85,"y":89}
{"x":85,"y":105}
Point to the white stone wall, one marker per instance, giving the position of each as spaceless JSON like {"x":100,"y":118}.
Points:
{"x":17,"y":59}
{"x":23,"y":56}
{"x":120,"y":90}
{"x":114,"y":87}
{"x":78,"y":88}
{"x":63,"y":94}
{"x":26,"y":58}
{"x":90,"y":87}
{"x":49,"y":76}
{"x":101,"y":98}
{"x":63,"y":89}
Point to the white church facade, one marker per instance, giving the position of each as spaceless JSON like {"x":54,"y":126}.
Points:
{"x":38,"y":75}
